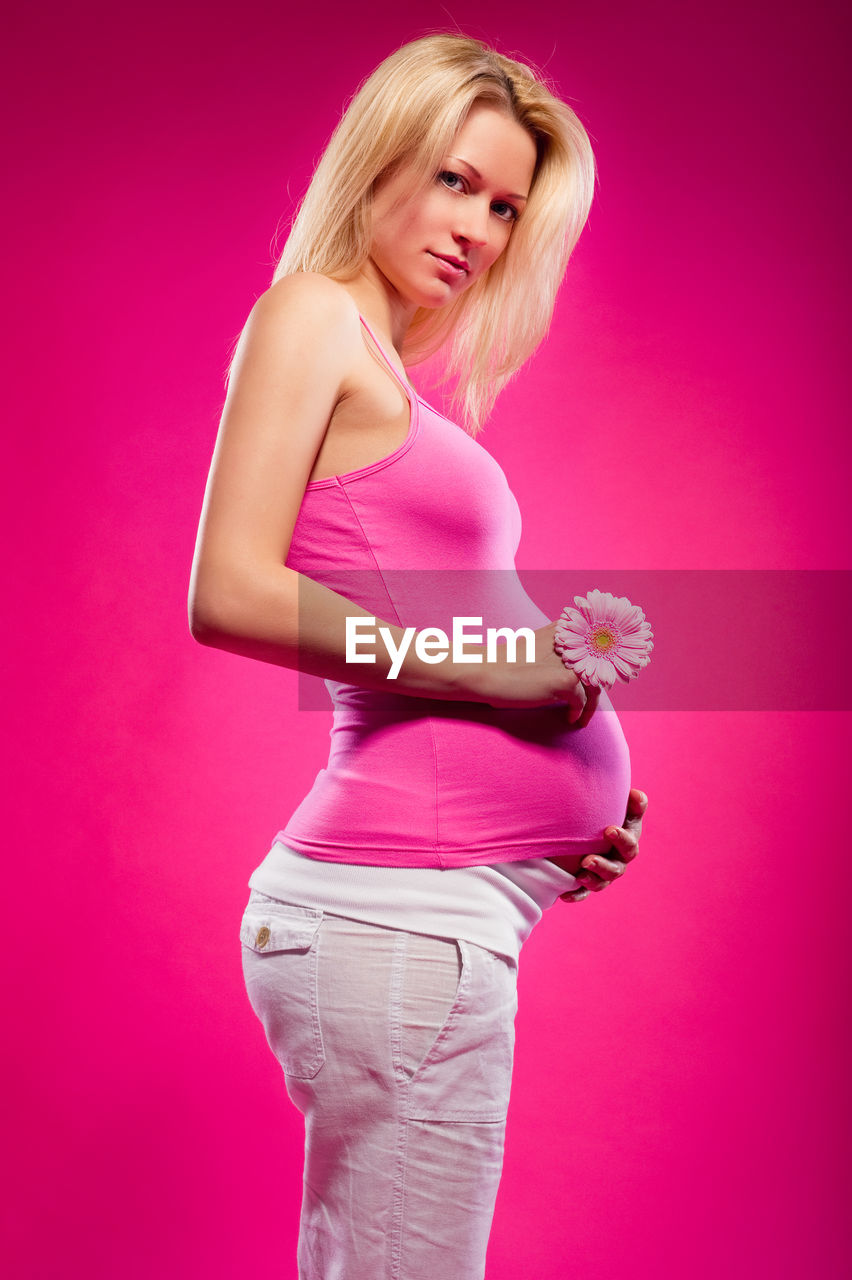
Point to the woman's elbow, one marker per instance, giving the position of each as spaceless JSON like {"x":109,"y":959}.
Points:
{"x":200,"y":618}
{"x":224,"y":606}
{"x":207,"y":606}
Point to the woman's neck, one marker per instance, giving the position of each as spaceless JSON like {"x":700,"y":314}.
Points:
{"x":380,"y":304}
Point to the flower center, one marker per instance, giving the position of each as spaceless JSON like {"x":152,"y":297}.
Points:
{"x":602,"y":639}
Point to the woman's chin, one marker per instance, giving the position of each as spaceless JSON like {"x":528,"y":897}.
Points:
{"x":434,"y":299}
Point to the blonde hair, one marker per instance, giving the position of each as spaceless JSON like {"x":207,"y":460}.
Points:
{"x":408,"y":111}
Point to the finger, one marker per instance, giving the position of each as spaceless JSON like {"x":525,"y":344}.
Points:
{"x":637,"y":803}
{"x":577,"y":701}
{"x":600,"y":873}
{"x":588,"y":880}
{"x":625,"y":841}
{"x":604,"y":869}
{"x":593,"y":696}
{"x":574,"y":895}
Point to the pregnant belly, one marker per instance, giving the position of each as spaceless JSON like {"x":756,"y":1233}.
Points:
{"x":525,"y":774}
{"x":463,"y":784}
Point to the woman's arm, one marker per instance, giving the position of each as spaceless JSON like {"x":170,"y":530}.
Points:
{"x":293,"y":363}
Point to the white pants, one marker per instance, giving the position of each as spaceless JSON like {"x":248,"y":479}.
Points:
{"x":397,"y":1048}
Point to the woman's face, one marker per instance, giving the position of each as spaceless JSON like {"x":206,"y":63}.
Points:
{"x":431,"y":246}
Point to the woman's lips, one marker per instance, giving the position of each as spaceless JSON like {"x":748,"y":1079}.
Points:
{"x":453,"y":267}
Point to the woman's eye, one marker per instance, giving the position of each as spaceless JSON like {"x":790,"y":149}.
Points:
{"x":506,"y":211}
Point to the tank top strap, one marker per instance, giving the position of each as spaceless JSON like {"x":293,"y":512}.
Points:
{"x":406,"y":386}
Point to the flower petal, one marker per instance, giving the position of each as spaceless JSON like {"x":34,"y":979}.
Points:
{"x":577,"y":654}
{"x":603,"y":676}
{"x":624,"y":669}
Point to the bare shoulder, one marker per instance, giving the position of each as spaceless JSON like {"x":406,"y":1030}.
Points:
{"x":309,"y":312}
{"x":312,"y":291}
{"x":292,"y":367}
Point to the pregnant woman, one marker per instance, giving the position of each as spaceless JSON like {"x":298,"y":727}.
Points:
{"x":461,"y":798}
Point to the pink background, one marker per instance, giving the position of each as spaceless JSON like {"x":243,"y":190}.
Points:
{"x":681,"y":1093}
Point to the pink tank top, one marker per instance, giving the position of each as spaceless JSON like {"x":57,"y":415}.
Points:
{"x":424,"y":535}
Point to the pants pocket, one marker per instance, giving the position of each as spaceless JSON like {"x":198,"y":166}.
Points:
{"x":427,"y":987}
{"x":279,"y":952}
{"x":467,"y":1072}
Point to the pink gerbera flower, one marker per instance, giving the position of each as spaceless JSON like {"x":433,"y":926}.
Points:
{"x":604,"y":637}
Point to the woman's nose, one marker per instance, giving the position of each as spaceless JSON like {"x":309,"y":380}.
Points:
{"x":472,"y":223}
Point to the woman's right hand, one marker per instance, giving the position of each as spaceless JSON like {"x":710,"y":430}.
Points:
{"x":546,"y":681}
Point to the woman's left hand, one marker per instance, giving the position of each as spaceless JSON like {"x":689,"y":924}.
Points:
{"x":598,"y":870}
